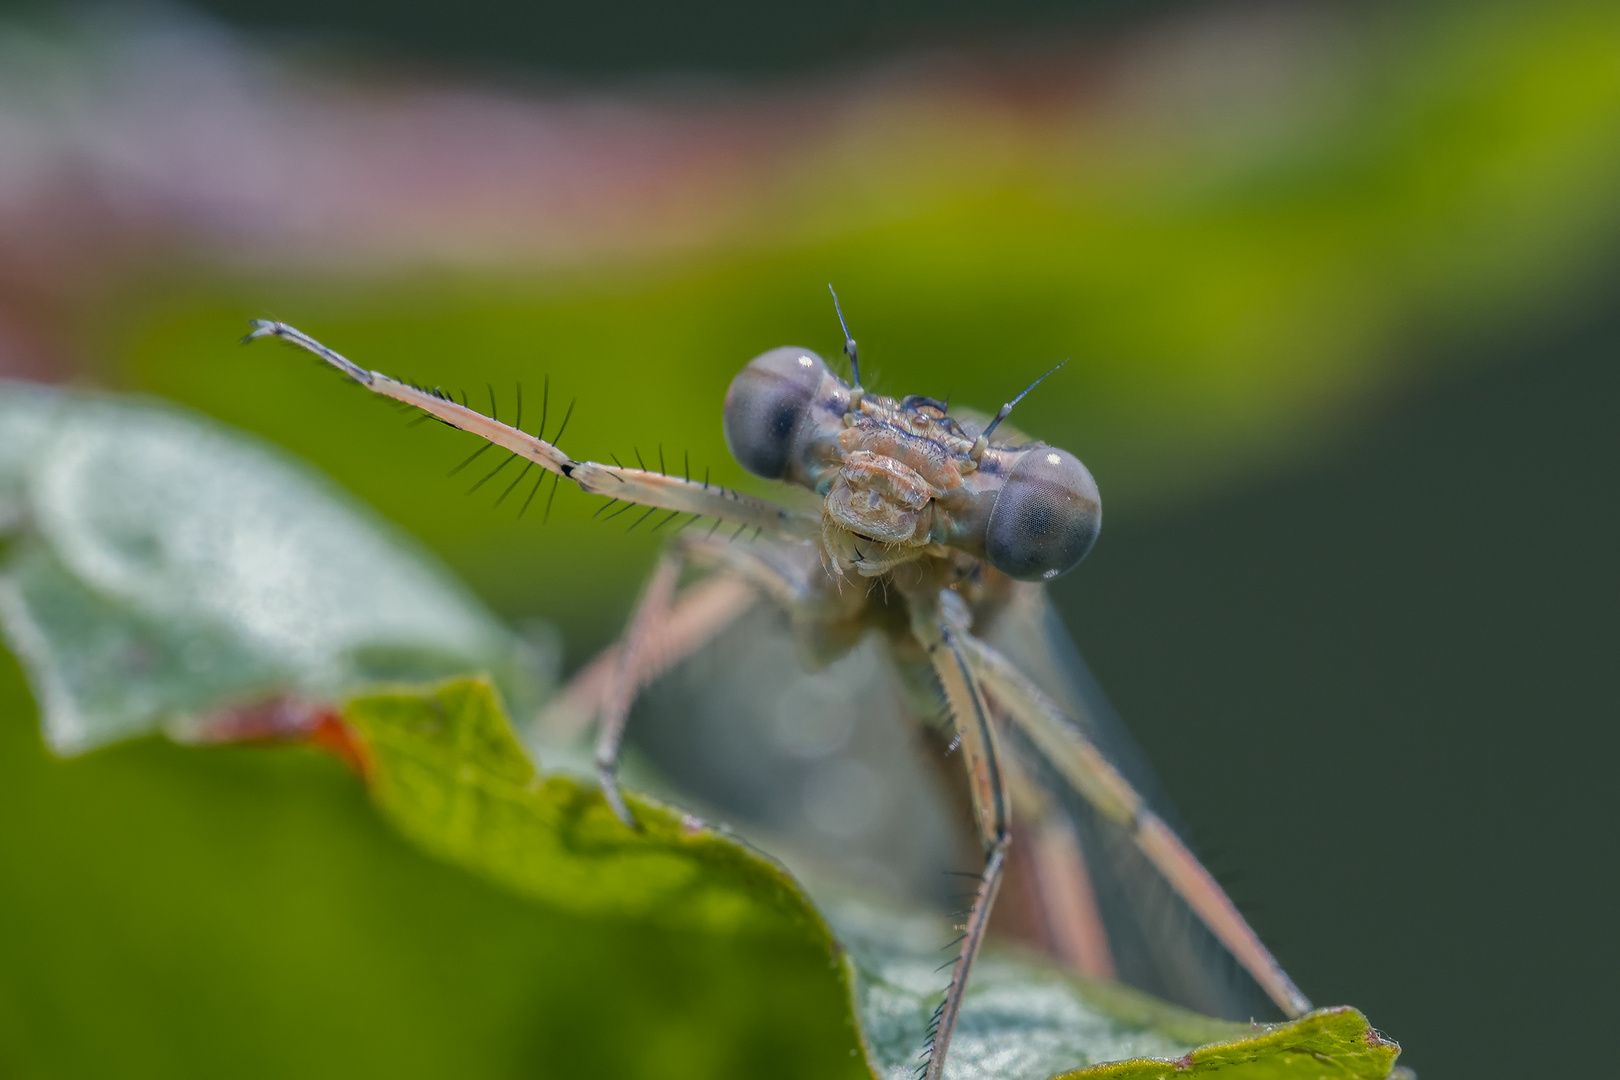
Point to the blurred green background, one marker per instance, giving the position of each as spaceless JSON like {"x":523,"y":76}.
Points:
{"x":1337,"y":286}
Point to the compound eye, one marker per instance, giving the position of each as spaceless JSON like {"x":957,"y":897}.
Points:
{"x":1046,"y":516}
{"x":767,"y":402}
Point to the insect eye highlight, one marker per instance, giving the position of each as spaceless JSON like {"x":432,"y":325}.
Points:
{"x":766,"y":405}
{"x":1046,"y":516}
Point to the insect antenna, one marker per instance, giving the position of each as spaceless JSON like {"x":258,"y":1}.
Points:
{"x":849,"y":344}
{"x":1002,"y":413}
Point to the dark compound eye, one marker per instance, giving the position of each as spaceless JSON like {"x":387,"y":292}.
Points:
{"x":1046,"y":516}
{"x":767,"y":402}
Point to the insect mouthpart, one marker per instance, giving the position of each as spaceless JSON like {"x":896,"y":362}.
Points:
{"x":881,"y":498}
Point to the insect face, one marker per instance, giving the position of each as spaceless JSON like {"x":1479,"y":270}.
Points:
{"x":902,"y":479}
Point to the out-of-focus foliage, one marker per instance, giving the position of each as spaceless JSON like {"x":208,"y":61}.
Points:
{"x":1236,"y":247}
{"x":165,"y":567}
{"x":242,"y":911}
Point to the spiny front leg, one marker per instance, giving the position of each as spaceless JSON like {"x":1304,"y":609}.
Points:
{"x":642,"y":487}
{"x":992,"y":808}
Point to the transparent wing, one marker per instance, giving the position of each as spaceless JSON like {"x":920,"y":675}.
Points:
{"x":844,"y":772}
{"x":827,"y":768}
{"x":1155,"y":940}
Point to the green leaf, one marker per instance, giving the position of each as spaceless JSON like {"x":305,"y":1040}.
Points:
{"x":1326,"y":1045}
{"x":163,"y":566}
{"x":445,"y":767}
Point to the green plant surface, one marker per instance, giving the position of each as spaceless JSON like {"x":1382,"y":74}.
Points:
{"x":163,"y":566}
{"x":190,"y":913}
{"x":445,"y":767}
{"x":1329,"y":1044}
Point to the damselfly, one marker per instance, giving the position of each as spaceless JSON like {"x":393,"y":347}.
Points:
{"x":935,"y":536}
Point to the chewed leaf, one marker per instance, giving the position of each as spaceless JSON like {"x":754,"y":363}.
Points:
{"x":164,"y":565}
{"x":444,"y":766}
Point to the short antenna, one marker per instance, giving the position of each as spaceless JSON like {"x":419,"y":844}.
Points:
{"x":849,"y":346}
{"x":983,"y":441}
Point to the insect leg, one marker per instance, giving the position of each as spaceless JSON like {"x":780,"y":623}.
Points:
{"x":1084,"y":766}
{"x":746,"y":569}
{"x":637,"y":486}
{"x":697,"y":614}
{"x":652,"y":609}
{"x":1067,"y":901}
{"x":992,"y":807}
{"x":457,"y":415}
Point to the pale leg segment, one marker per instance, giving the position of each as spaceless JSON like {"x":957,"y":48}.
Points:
{"x":1068,"y":903}
{"x":698,"y":613}
{"x":639,"y":656}
{"x":1084,"y":766}
{"x":1065,"y":902}
{"x":652,"y":610}
{"x":993,"y":810}
{"x":642,"y":487}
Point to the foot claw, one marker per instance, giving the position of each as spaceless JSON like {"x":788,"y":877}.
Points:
{"x":615,"y":800}
{"x":261,"y":328}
